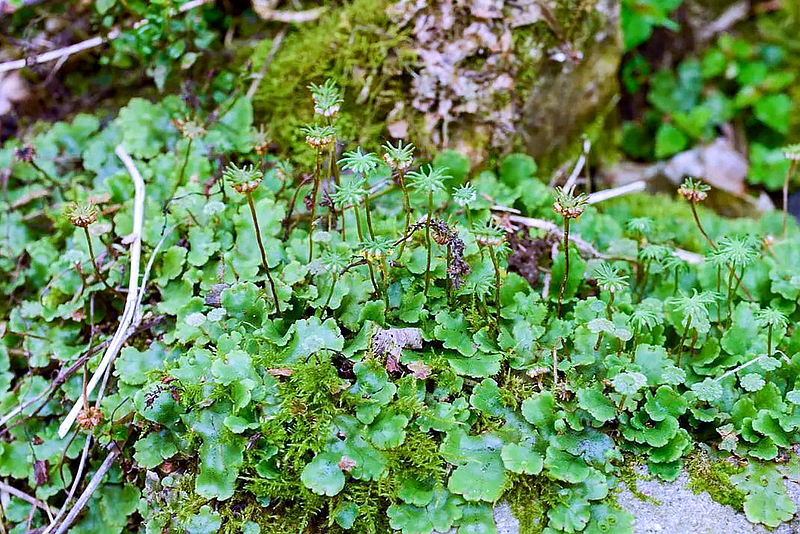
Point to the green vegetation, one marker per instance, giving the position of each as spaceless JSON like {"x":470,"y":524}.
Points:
{"x":332,"y":333}
{"x":403,"y":379}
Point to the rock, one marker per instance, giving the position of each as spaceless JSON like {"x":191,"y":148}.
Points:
{"x":484,"y":74}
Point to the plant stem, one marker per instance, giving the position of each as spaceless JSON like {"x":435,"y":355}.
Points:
{"x":768,"y":374}
{"x":46,"y":176}
{"x":769,"y":340}
{"x":566,"y":265}
{"x":683,"y":338}
{"x":314,"y":206}
{"x":645,"y":274}
{"x":369,"y":216}
{"x":361,"y":238}
{"x":496,"y":284}
{"x":428,"y":241}
{"x":264,"y":255}
{"x":100,"y":275}
{"x":786,"y":193}
{"x":406,"y":208}
{"x":730,"y":297}
{"x":185,"y":162}
{"x":700,"y":226}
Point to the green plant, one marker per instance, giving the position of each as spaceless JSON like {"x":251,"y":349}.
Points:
{"x":639,"y":17}
{"x":733,"y":81}
{"x":428,"y":182}
{"x":245,"y":180}
{"x":166,"y":36}
{"x":569,"y":207}
{"x":370,"y":406}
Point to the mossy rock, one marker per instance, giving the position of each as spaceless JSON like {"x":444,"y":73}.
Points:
{"x":486,"y":78}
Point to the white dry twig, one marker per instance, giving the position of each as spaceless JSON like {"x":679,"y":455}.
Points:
{"x":83,"y":45}
{"x":90,"y":489}
{"x":126,"y":324}
{"x":569,"y":186}
{"x":585,"y":246}
{"x":267,"y":62}
{"x":605,"y":194}
{"x":11,"y":490}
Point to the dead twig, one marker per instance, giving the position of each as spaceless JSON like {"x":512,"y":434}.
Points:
{"x":276,"y":43}
{"x":84,"y":45}
{"x":583,"y":246}
{"x":11,"y":490}
{"x":90,"y":489}
{"x":126,"y":325}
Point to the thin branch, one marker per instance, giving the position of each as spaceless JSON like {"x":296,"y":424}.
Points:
{"x":585,"y":246}
{"x":73,"y":488}
{"x":573,"y":178}
{"x":295,"y":17}
{"x":84,"y":45}
{"x":126,"y":322}
{"x":276,"y":43}
{"x":90,"y":489}
{"x":27,"y":498}
{"x":633,"y":187}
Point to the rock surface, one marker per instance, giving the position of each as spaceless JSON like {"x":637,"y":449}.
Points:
{"x":677,"y":511}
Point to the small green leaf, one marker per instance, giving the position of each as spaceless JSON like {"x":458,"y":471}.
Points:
{"x":323,"y":476}
{"x":522,"y":459}
{"x":669,"y":141}
{"x":598,"y":405}
{"x":751,"y":382}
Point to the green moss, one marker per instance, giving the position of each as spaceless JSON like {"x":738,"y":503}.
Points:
{"x":529,"y":500}
{"x":713,"y":476}
{"x":357,"y":46}
{"x":627,"y":473}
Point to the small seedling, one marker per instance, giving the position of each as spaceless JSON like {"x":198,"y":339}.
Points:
{"x":569,"y":207}
{"x":245,"y":180}
{"x":428,"y":181}
{"x":82,"y":216}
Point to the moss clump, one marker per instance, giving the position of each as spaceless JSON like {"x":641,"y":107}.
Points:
{"x":358,"y":47}
{"x":628,"y":474}
{"x":529,"y":500}
{"x":706,"y":474}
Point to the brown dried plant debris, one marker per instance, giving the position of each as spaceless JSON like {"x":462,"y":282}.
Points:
{"x":528,"y":254}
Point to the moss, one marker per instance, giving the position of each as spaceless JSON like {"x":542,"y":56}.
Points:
{"x":358,"y":47}
{"x":713,"y":476}
{"x":529,"y":499}
{"x":628,"y":474}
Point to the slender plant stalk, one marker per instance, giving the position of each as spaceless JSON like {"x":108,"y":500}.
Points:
{"x":566,"y":265}
{"x":730,"y":296}
{"x":314,"y":192}
{"x":361,"y":238}
{"x":428,"y":242}
{"x":406,"y":208}
{"x":645,"y":274}
{"x":493,"y":256}
{"x":700,"y":226}
{"x":287,"y":221}
{"x":713,"y":246}
{"x":385,"y":281}
{"x":100,"y":275}
{"x":46,"y":176}
{"x":264,"y":255}
{"x":449,"y":281}
{"x":683,"y":338}
{"x":768,"y":374}
{"x":369,"y":216}
{"x":786,"y":193}
{"x":185,"y":161}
